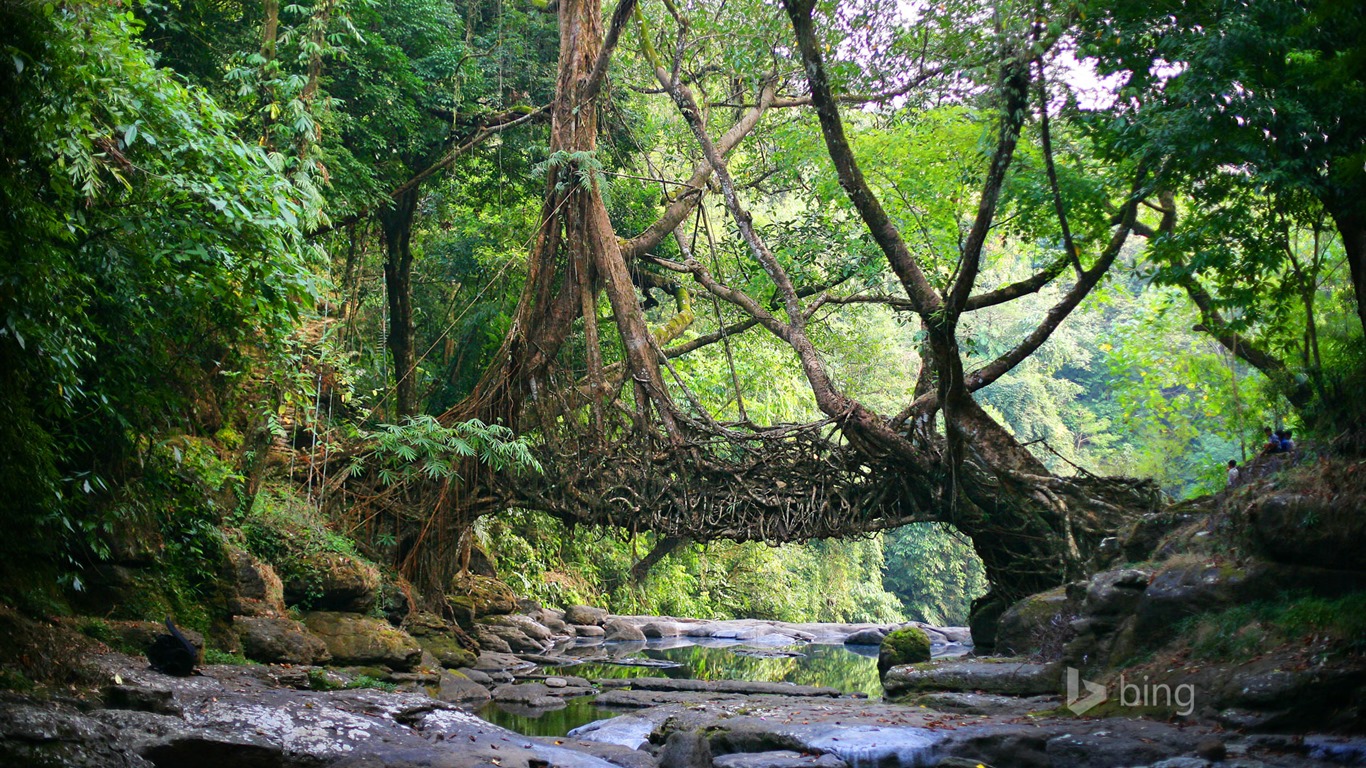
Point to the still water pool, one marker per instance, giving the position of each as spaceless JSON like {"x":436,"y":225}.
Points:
{"x":852,"y":669}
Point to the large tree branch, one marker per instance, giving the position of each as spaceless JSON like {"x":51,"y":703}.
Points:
{"x":596,"y":78}
{"x":686,"y":200}
{"x":1003,"y":364}
{"x":918,"y":288}
{"x":1013,"y":291}
{"x":495,"y":124}
{"x":1014,"y":87}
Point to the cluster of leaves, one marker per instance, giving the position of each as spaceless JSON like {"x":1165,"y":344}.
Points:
{"x":422,"y":447}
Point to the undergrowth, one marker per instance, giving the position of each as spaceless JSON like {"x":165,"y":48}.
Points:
{"x":1243,"y":631}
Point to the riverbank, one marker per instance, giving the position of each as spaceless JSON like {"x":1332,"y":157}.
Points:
{"x":124,"y":714}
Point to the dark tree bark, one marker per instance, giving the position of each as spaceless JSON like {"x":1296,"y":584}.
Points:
{"x":1351,"y":224}
{"x":396,"y":224}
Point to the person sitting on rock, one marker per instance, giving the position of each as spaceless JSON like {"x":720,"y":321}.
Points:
{"x":1273,"y":442}
{"x":1287,"y":443}
{"x":1232,"y":472}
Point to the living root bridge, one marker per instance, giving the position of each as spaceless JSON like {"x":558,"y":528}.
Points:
{"x":778,"y":485}
{"x":799,"y":483}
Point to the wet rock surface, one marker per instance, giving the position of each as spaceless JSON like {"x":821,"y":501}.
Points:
{"x":966,"y":711}
{"x":1011,"y":677}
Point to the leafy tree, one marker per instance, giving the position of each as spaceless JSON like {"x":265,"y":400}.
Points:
{"x":149,"y":257}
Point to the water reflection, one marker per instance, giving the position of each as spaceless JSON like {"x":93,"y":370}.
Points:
{"x":532,"y":721}
{"x":846,"y":668}
{"x":852,"y":669}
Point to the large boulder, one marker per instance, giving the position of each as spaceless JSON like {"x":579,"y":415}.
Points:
{"x":278,"y":641}
{"x":1036,"y":624}
{"x":450,"y":646}
{"x":585,"y":614}
{"x":516,"y":640}
{"x":660,"y":629}
{"x":869,"y":636}
{"x":256,"y":589}
{"x":908,"y":645}
{"x":362,"y":641}
{"x":1309,"y":530}
{"x":984,"y":618}
{"x":622,"y":630}
{"x":457,"y":688}
{"x":529,"y":626}
{"x":486,"y":596}
{"x":332,"y":581}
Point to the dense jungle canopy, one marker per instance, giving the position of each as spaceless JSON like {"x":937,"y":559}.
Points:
{"x":947,"y":290}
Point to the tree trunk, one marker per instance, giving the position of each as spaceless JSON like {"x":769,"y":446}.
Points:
{"x":397,"y":225}
{"x":1352,"y":226}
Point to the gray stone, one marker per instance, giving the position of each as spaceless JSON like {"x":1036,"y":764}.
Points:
{"x":528,"y":694}
{"x":686,"y":750}
{"x":527,"y":625}
{"x":1114,"y":593}
{"x":589,"y":630}
{"x":490,"y":641}
{"x":584,"y":614}
{"x":658,"y":629}
{"x":618,"y":630}
{"x":870,"y":636}
{"x":459,"y":688}
{"x":1336,"y":538}
{"x":334,"y":582}
{"x":517,"y":640}
{"x":257,"y":590}
{"x":1011,"y":677}
{"x":279,"y":641}
{"x":1036,"y":623}
{"x":778,"y":759}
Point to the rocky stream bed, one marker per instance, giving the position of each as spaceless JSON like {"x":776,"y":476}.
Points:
{"x":269,"y":715}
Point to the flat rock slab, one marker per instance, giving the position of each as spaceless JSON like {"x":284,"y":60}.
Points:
{"x":729,"y":686}
{"x":965,"y":703}
{"x":624,"y":699}
{"x":1008,"y":677}
{"x":785,"y":758}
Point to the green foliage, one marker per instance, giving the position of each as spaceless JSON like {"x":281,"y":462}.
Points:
{"x":285,"y":530}
{"x":934,"y":572}
{"x":145,"y":253}
{"x":821,"y":581}
{"x":1245,"y":630}
{"x":217,"y":656}
{"x":366,"y":681}
{"x":422,"y":447}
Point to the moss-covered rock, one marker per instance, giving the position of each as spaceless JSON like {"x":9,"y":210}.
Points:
{"x":487,"y":597}
{"x":361,"y":640}
{"x":909,"y":645}
{"x":256,"y":589}
{"x":333,"y":581}
{"x":448,"y":644}
{"x":1036,"y":623}
{"x":1004,"y":676}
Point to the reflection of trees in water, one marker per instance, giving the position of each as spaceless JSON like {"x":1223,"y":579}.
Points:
{"x":831,"y":665}
{"x":541,"y":722}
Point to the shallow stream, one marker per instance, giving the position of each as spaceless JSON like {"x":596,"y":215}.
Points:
{"x":852,"y":669}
